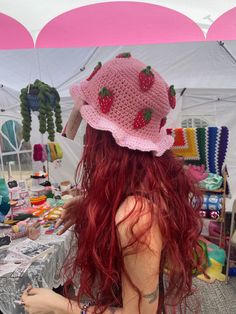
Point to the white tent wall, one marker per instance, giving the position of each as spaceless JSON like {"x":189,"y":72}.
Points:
{"x":190,"y":65}
{"x":206,"y":69}
{"x":217,"y":107}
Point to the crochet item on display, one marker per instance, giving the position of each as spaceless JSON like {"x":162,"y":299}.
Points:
{"x":59,"y":151}
{"x":196,"y":173}
{"x":4,"y":197}
{"x":212,"y":205}
{"x":216,"y":259}
{"x":44,"y":153}
{"x":48,"y":153}
{"x":212,"y":182}
{"x":129,"y":99}
{"x":38,"y":152}
{"x":202,"y":146}
{"x":51,"y":152}
{"x":55,"y":151}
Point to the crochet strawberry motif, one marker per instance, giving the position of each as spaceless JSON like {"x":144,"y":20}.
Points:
{"x":143,"y":118}
{"x":96,"y":69}
{"x":163,"y":122}
{"x":146,"y":79}
{"x":105,"y":99}
{"x":171,"y":95}
{"x":124,"y":55}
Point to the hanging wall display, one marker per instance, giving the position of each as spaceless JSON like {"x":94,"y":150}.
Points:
{"x":45,"y":100}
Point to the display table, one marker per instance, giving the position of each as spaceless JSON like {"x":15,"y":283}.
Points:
{"x":43,"y":272}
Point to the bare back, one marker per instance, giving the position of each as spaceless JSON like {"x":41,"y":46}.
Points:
{"x":143,"y":264}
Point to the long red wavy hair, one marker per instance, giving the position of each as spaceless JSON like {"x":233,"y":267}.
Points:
{"x":107,"y":173}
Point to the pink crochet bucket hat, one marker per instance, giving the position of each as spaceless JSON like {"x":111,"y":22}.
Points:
{"x":130,"y":100}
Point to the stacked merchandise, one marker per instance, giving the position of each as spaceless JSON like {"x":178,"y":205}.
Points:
{"x":204,"y":151}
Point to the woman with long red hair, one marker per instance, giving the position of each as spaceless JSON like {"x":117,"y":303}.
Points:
{"x":137,"y":219}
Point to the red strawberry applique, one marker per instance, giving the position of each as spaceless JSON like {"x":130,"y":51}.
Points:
{"x":171,"y":96}
{"x":124,"y":55}
{"x":105,"y":99}
{"x":163,"y":122}
{"x":96,"y":69}
{"x":143,"y":117}
{"x":146,"y":79}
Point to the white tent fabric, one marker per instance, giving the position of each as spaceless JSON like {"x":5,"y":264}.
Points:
{"x":190,"y":65}
{"x":207,"y":71}
{"x":203,"y":12}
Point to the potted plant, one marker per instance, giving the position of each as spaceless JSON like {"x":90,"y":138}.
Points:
{"x":45,"y":99}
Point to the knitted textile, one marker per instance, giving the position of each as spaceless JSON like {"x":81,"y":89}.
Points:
{"x":53,"y":151}
{"x":44,"y":153}
{"x":49,"y":153}
{"x":202,"y":146}
{"x":212,"y":205}
{"x":38,"y":152}
{"x":134,"y":112}
{"x":58,"y":151}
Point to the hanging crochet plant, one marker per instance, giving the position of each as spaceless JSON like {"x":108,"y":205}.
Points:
{"x":46,"y":100}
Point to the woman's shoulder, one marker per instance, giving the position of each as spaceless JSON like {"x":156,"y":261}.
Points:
{"x":135,"y":218}
{"x":131,"y":206}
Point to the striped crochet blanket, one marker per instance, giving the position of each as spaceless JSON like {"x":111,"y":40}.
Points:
{"x":202,"y":146}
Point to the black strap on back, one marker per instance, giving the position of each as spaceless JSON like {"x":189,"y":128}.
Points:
{"x":161,"y":310}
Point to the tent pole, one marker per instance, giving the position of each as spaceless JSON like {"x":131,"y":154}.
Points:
{"x":81,"y":69}
{"x":222,"y":44}
{"x":9,"y":93}
{"x":183,"y":91}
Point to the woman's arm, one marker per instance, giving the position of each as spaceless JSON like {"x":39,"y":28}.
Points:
{"x":66,"y":307}
{"x":45,"y":301}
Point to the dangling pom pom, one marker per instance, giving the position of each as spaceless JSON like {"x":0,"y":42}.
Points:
{"x":171,"y":96}
{"x":124,"y":55}
{"x":96,"y":69}
{"x":146,"y":79}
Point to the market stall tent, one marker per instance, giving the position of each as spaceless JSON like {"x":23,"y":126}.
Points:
{"x":203,"y":74}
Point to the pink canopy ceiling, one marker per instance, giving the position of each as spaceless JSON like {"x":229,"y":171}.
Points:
{"x":224,"y":28}
{"x":115,"y":23}
{"x":13,"y":35}
{"x":118,"y":23}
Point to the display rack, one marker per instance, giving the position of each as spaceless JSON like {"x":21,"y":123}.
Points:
{"x":231,"y":243}
{"x":221,"y":219}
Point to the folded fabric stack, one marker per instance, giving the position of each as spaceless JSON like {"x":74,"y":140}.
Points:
{"x":212,"y":182}
{"x":47,"y":152}
{"x":212,"y":205}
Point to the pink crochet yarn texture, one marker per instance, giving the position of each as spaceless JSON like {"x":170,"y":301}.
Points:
{"x":133,"y":111}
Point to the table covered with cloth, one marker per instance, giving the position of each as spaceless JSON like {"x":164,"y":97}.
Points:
{"x":44,"y":272}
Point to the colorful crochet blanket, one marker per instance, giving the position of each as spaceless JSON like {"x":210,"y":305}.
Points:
{"x":202,"y":146}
